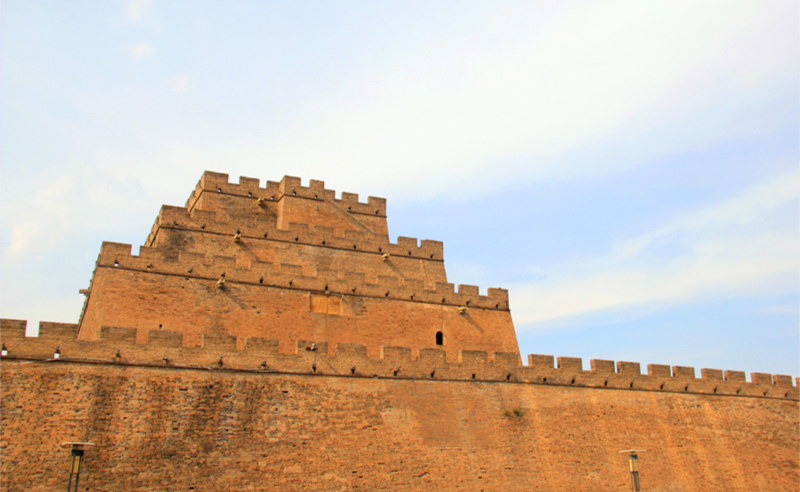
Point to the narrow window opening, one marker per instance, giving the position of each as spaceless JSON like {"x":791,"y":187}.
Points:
{"x":473,"y":376}
{"x":249,"y":193}
{"x":439,"y":338}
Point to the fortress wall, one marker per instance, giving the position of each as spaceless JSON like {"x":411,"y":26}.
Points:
{"x":212,"y":182}
{"x":131,"y":347}
{"x":117,"y":256}
{"x":315,"y":259}
{"x":258,"y":226}
{"x":323,"y":210}
{"x":261,"y":299}
{"x":168,"y":428}
{"x":195,"y":305}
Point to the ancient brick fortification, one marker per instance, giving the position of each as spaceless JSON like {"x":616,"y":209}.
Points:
{"x":242,"y":351}
{"x":290,"y":262}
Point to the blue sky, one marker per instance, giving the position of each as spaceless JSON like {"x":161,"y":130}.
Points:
{"x":628,"y":170}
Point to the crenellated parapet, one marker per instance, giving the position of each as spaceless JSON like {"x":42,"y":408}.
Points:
{"x":289,"y":262}
{"x":213,"y":268}
{"x":258,"y":229}
{"x":212,"y":182}
{"x":261,"y":355}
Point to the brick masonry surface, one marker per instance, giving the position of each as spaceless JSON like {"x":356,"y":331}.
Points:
{"x":247,"y":261}
{"x":161,"y":428}
{"x":273,"y":338}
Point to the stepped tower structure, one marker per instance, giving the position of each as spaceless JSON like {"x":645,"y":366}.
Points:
{"x":274,"y":339}
{"x":290,"y":262}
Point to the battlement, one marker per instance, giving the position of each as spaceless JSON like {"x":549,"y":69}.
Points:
{"x":287,"y":276}
{"x":255,"y":228}
{"x":219,"y":352}
{"x":288,"y":186}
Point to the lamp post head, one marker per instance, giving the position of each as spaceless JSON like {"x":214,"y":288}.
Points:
{"x":76,"y":455}
{"x":77,"y":445}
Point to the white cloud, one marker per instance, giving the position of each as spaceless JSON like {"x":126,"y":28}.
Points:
{"x":181,"y":83}
{"x":138,"y":11}
{"x":139,"y":51}
{"x":70,"y":205}
{"x":782,"y":309}
{"x":720,"y":250}
{"x":502,"y":102}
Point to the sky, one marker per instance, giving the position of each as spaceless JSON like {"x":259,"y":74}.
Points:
{"x":630,"y":171}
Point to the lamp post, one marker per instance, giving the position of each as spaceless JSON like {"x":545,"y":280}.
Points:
{"x":633,"y":461}
{"x":76,"y":461}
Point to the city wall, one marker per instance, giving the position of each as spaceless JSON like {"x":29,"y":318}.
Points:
{"x":168,"y":417}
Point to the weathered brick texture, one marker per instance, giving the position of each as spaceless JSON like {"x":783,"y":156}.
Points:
{"x":161,"y":428}
{"x":253,"y":262}
{"x":275,"y":339}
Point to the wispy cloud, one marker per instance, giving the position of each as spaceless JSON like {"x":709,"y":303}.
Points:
{"x":181,"y":83}
{"x":139,"y":51}
{"x":720,"y":250}
{"x":510,"y":102}
{"x":138,"y":11}
{"x":69,"y":206}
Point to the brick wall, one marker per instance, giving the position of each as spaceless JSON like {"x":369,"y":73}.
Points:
{"x":166,"y":428}
{"x":246,"y":261}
